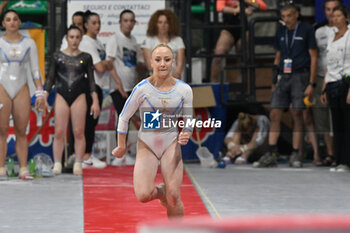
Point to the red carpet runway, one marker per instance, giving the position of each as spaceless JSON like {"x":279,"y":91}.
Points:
{"x":110,"y":204}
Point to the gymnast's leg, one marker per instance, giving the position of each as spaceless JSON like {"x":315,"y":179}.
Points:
{"x":61,"y":122}
{"x":145,"y":171}
{"x":5,"y":111}
{"x":78,"y":113}
{"x":172,"y":171}
{"x":20,"y":112}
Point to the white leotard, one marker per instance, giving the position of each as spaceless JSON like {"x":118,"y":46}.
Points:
{"x":147,"y":98}
{"x":14,"y":61}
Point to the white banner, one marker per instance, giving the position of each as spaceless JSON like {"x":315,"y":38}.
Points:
{"x":109,"y":11}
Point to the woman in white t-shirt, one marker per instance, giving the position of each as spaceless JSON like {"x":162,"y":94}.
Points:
{"x":336,"y":88}
{"x":91,"y":45}
{"x":163,"y":27}
{"x":78,"y":21}
{"x":121,"y":51}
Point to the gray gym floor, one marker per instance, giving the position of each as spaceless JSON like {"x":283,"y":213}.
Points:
{"x":56,"y":204}
{"x":243,"y":190}
{"x":43,"y":205}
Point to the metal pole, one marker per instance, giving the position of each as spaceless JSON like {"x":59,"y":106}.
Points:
{"x":64,"y":17}
{"x":252,"y":68}
{"x":208,"y":41}
{"x":52,"y":28}
{"x":244,"y":45}
{"x":188,"y":41}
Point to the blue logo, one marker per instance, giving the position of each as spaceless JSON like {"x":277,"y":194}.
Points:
{"x":151,"y":120}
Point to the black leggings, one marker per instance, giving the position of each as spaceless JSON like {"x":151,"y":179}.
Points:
{"x":118,"y":102}
{"x":90,"y":124}
{"x":341,"y":126}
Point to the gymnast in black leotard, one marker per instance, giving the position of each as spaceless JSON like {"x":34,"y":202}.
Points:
{"x":71,"y":71}
{"x":72,"y":75}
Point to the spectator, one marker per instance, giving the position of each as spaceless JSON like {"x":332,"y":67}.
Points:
{"x":336,"y":88}
{"x":122,"y":53}
{"x":319,"y":110}
{"x":310,"y":127}
{"x":231,"y":36}
{"x":77,"y":20}
{"x":163,"y":27}
{"x":295,"y":71}
{"x":14,"y":90}
{"x":247,"y":138}
{"x":71,"y":72}
{"x":91,"y":45}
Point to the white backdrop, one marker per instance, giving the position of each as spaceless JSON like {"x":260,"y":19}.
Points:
{"x":109,"y":11}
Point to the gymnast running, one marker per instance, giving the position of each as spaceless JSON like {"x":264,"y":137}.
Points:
{"x":17,"y":54}
{"x":161,"y":93}
{"x":72,"y":73}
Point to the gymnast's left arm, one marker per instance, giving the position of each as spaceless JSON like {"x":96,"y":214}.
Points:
{"x":186,"y":132}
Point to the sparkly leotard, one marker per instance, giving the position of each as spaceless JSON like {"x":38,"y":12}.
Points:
{"x":14,"y":61}
{"x":72,"y":75}
{"x":172,"y":104}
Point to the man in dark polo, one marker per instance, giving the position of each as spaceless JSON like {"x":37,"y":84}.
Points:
{"x":295,"y":72}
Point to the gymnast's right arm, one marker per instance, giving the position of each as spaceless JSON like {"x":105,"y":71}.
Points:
{"x":95,"y":107}
{"x":130,"y":107}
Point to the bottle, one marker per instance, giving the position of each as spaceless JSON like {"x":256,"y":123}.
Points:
{"x":39,"y":167}
{"x":32,"y":167}
{"x":10,"y":167}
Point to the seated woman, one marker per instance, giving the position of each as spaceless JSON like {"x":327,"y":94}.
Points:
{"x":247,"y":138}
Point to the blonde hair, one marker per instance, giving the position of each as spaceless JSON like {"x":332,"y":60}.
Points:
{"x":246,"y":123}
{"x":163,"y":46}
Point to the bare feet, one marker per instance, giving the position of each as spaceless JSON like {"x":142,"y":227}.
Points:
{"x":57,"y":168}
{"x":77,"y":169}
